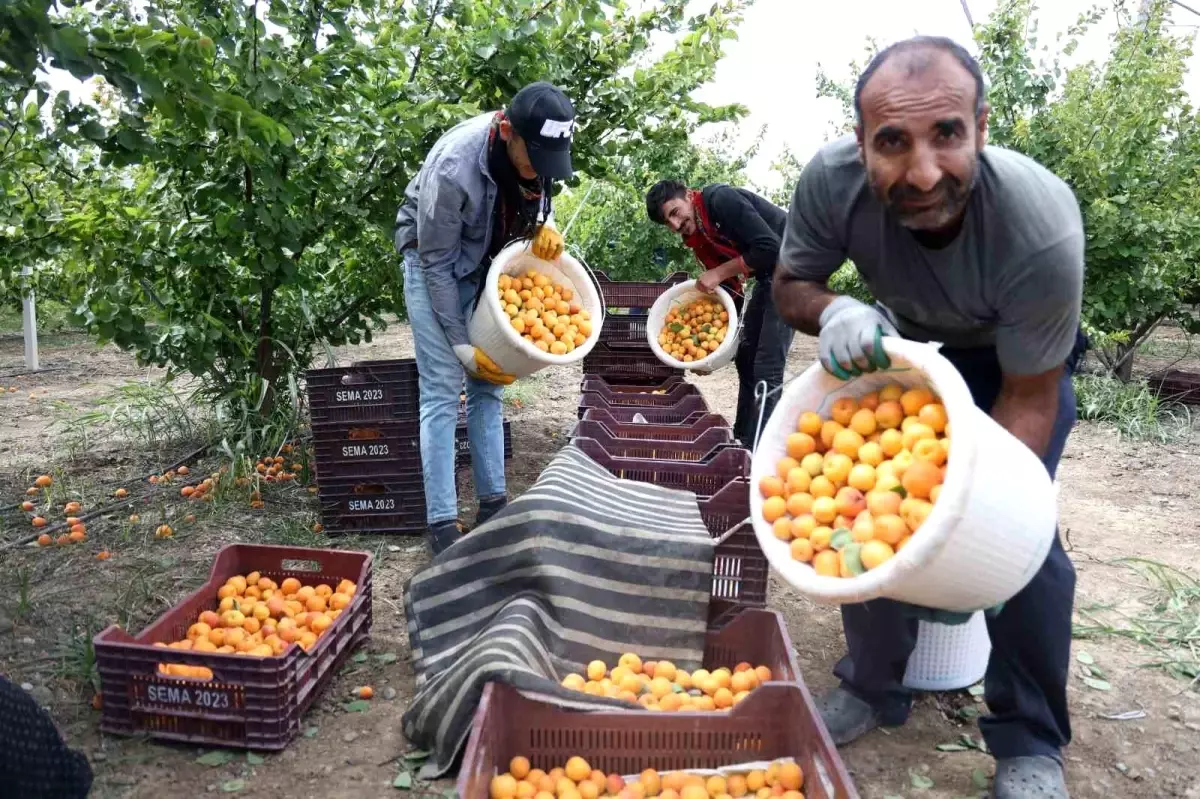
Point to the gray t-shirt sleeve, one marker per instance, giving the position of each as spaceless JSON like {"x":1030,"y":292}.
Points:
{"x":439,"y":242}
{"x":811,"y":248}
{"x":1039,"y":314}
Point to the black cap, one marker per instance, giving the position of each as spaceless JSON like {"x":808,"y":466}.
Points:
{"x":544,"y":117}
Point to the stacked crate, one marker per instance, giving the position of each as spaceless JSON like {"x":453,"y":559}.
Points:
{"x":367,"y":445}
{"x":642,"y":421}
{"x":623,"y":355}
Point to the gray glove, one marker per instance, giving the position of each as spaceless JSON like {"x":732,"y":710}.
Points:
{"x":852,"y":338}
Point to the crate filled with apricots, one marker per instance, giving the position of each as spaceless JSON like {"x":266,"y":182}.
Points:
{"x":751,"y":649}
{"x":853,"y":488}
{"x":238,"y":661}
{"x":544,"y":313}
{"x":769,"y":745}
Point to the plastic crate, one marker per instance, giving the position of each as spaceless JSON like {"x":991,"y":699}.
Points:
{"x":627,"y":365}
{"x":365,"y":391}
{"x":705,"y":446}
{"x":361,"y":449}
{"x":669,"y":396}
{"x":1173,"y":385}
{"x":777,"y":720}
{"x":375,"y":503}
{"x":690,"y":431}
{"x":702,"y":479}
{"x":635,"y":294}
{"x":684,"y":411}
{"x":625,"y":332}
{"x":593,"y":382}
{"x":741,"y":574}
{"x":251,"y":702}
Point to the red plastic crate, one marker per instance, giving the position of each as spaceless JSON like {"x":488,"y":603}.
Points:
{"x":635,"y":294}
{"x":689,"y":431}
{"x":702,"y":479}
{"x":675,"y":412}
{"x":1174,"y":385}
{"x":591,"y":382}
{"x":778,"y":719}
{"x":360,"y":449}
{"x":705,"y":446}
{"x":669,"y":396}
{"x":741,"y":574}
{"x":627,"y":365}
{"x":373,"y":503}
{"x":625,"y":331}
{"x":251,"y":702}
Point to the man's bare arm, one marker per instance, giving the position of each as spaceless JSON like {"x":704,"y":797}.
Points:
{"x":1027,"y":407}
{"x":800,"y":302}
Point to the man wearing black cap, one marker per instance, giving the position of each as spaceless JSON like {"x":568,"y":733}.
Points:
{"x":486,"y":183}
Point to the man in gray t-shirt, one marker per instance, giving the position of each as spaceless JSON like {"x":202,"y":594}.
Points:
{"x":979,"y":248}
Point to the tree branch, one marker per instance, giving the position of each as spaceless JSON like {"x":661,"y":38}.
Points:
{"x":437,"y":8}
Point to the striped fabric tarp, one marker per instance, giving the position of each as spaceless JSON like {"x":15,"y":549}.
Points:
{"x":583,"y":566}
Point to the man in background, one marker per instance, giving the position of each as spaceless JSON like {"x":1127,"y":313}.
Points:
{"x":735,"y":235}
{"x":485,"y":183}
{"x":980,"y":248}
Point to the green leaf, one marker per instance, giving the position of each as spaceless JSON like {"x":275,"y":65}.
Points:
{"x":852,"y":555}
{"x":387,"y":657}
{"x":920,"y":781}
{"x":951,"y":748}
{"x":900,"y":490}
{"x":1085,"y":658}
{"x":980,"y":779}
{"x":360,"y":657}
{"x":976,"y":690}
{"x":254,"y":760}
{"x":968,"y":712}
{"x":485,"y":52}
{"x":415,"y":756}
{"x":357,"y":706}
{"x":233,"y":786}
{"x":841,"y":537}
{"x":217,"y":757}
{"x":311,"y":732}
{"x":1099,"y":685}
{"x":403,"y":781}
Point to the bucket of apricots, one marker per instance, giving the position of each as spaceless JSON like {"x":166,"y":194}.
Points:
{"x":895,"y":484}
{"x":534,"y":313}
{"x":688,"y":329}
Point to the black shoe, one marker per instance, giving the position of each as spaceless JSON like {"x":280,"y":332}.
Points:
{"x":440,"y":536}
{"x":489,"y":508}
{"x":846,"y":716}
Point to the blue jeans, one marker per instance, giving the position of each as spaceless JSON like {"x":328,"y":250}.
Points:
{"x":441,"y":383}
{"x":1026,"y":681}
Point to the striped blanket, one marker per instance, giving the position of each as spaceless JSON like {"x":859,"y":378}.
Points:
{"x":583,"y":566}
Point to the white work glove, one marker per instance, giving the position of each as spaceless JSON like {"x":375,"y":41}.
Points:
{"x":852,"y":338}
{"x":478,"y":364}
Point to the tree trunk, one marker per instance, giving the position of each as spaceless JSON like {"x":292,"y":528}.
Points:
{"x":264,"y":360}
{"x":1124,"y":371}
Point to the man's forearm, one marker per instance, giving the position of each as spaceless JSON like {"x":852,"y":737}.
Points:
{"x":800,"y":302}
{"x":735,"y":267}
{"x":1028,"y":415}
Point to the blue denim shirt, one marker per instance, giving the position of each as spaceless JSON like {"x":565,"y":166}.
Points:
{"x":447,"y":211}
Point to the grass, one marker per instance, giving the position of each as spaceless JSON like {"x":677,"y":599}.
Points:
{"x":525,"y":392}
{"x":1132,"y":408}
{"x":1169,"y":625}
{"x":52,"y":317}
{"x":77,"y":663}
{"x":152,"y":414}
{"x":1178,"y":348}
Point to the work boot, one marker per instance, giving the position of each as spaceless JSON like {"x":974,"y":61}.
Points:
{"x":490,"y":507}
{"x":846,"y":716}
{"x":440,"y":536}
{"x":1032,"y":777}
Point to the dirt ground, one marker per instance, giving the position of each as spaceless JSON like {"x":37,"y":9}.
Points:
{"x":1119,"y":499}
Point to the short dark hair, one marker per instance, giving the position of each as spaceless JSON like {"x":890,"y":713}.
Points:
{"x":659,"y":193}
{"x":941,"y":43}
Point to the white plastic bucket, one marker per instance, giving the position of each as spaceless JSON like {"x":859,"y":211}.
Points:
{"x":679,"y":295}
{"x":991,"y":528}
{"x":491,"y":330}
{"x":949,"y":656}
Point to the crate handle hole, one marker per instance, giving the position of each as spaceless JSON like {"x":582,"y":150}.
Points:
{"x":293,"y":565}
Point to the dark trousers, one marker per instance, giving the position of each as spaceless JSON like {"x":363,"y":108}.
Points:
{"x":761,"y":355}
{"x":1026,"y":680}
